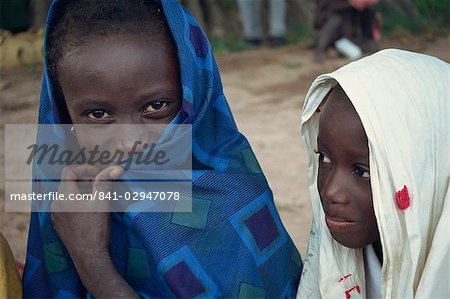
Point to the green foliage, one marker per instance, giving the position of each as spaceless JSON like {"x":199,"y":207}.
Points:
{"x":301,"y":34}
{"x":432,"y":17}
{"x":230,"y":44}
{"x":434,"y":9}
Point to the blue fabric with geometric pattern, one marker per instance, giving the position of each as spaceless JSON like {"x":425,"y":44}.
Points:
{"x":232,"y":245}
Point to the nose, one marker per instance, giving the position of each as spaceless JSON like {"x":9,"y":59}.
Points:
{"x":128,"y":139}
{"x":134,"y":138}
{"x":333,"y":187}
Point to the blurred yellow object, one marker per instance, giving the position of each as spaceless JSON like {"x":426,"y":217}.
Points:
{"x":10,"y":285}
{"x":21,"y":49}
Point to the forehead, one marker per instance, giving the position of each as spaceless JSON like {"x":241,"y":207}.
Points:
{"x":119,"y":61}
{"x":124,"y":46}
{"x":340,"y":128}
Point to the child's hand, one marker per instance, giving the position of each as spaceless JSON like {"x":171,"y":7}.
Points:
{"x":86,"y":233}
{"x":89,"y":227}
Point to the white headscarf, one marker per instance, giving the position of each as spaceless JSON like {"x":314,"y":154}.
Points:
{"x":403,"y":101}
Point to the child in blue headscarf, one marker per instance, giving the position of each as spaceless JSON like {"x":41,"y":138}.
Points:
{"x":148,"y":62}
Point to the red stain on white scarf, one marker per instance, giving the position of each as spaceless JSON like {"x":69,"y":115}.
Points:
{"x":344,"y":277}
{"x":355,"y":288}
{"x":402,"y":198}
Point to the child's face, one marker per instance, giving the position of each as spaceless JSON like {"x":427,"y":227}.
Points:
{"x":121,"y":80}
{"x":344,"y":177}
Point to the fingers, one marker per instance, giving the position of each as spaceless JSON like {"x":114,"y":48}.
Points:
{"x":104,"y":180}
{"x":74,"y":176}
{"x":75,"y":172}
{"x":85,"y":181}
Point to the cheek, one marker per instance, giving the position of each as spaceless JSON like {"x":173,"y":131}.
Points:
{"x":328,"y":184}
{"x":365,"y":206}
{"x":321,"y":178}
{"x":322,"y":175}
{"x":88,"y":141}
{"x":366,"y":196}
{"x":372,"y":227}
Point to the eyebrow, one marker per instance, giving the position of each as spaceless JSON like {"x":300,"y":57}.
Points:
{"x":160,"y":93}
{"x":93,"y":103}
{"x":358,"y":154}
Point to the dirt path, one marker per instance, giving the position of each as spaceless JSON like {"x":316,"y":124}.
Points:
{"x":265,"y":89}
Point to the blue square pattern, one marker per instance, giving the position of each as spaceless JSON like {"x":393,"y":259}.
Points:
{"x":195,"y":219}
{"x":182,"y":281}
{"x":238,"y":221}
{"x":249,"y":291}
{"x":182,"y":262}
{"x":263,"y":227}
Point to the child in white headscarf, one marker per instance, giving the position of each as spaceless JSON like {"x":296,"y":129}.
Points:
{"x":378,"y":137}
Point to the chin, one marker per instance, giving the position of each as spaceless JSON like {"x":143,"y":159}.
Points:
{"x":350,"y":243}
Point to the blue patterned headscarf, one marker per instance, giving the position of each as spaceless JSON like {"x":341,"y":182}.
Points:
{"x":233,"y":244}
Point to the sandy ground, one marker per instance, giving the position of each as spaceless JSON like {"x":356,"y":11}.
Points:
{"x":265,"y":89}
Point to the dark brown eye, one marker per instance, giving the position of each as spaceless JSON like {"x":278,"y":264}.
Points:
{"x":362,"y":172}
{"x":323,"y":158}
{"x":98,"y":114}
{"x":155,"y":107}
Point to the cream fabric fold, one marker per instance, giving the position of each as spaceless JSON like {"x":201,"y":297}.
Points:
{"x":403,"y":101}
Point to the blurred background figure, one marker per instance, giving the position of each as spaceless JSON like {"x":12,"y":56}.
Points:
{"x":356,"y":20}
{"x":209,"y":14}
{"x":250,"y":11}
{"x":14,"y":15}
{"x":21,"y":15}
{"x":21,"y":33}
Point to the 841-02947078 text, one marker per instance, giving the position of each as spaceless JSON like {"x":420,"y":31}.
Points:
{"x":102,"y":196}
